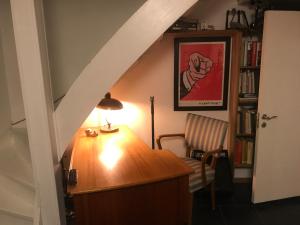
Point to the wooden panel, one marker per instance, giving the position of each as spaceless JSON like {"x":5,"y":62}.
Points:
{"x":117,"y":160}
{"x":162,"y":203}
{"x":234,"y":92}
{"x":122,"y":181}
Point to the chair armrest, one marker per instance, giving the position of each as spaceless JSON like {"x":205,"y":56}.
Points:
{"x":204,"y":159}
{"x":158,"y":140}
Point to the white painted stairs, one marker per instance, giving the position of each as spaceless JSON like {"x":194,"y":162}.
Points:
{"x":17,"y":193}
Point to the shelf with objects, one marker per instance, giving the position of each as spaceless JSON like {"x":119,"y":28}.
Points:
{"x":247,"y":99}
{"x":244,"y":99}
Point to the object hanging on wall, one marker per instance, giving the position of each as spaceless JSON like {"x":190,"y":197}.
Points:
{"x":108,"y":103}
{"x":236,"y":19}
{"x":152,"y":121}
{"x":201,"y":71}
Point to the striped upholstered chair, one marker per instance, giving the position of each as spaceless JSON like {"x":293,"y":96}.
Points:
{"x":206,"y":134}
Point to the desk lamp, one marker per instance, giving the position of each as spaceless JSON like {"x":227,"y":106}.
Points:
{"x":108,"y":103}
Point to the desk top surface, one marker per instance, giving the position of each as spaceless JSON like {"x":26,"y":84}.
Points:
{"x":119,"y":160}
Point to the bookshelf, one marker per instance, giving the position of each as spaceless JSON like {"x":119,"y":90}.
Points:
{"x":246,"y":100}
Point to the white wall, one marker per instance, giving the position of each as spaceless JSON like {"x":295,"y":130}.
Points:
{"x":75,"y":34}
{"x":4,"y":102}
{"x":76,"y":30}
{"x":213,"y":12}
{"x":10,"y":63}
{"x":125,"y":47}
{"x":153,"y":75}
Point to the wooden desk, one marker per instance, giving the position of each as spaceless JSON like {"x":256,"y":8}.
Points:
{"x":122,"y":181}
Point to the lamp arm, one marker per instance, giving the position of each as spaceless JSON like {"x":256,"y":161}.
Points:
{"x":108,"y":123}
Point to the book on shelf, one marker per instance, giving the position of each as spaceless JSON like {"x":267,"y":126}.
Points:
{"x":246,"y":122}
{"x":248,"y":95}
{"x":250,"y":149}
{"x":251,"y":52}
{"x":247,"y":107}
{"x":249,"y":100}
{"x":184,"y":24}
{"x":242,"y":59}
{"x":238,"y":152}
{"x":244,"y":150}
{"x":248,"y":128}
{"x":248,"y":84}
{"x":258,"y":57}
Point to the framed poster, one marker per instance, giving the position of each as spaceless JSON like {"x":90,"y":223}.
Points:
{"x":201,"y":73}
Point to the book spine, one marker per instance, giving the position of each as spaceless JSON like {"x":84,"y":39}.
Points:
{"x":253,"y":53}
{"x":245,"y":52}
{"x":249,"y":52}
{"x":238,"y":124}
{"x":253,"y":121}
{"x":240,"y":83}
{"x":247,"y":123}
{"x":244,"y":152}
{"x":252,"y":83}
{"x":244,"y":82}
{"x":242,"y":122}
{"x":238,"y":152}
{"x":248,"y":85}
{"x":256,"y":81}
{"x":258,"y":57}
{"x":250,"y":150}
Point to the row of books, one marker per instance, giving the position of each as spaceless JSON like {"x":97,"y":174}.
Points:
{"x":251,"y":52}
{"x":244,"y":150}
{"x":184,"y":24}
{"x":248,"y":84}
{"x":246,"y":122}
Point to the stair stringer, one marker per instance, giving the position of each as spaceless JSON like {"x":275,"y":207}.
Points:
{"x":137,"y":34}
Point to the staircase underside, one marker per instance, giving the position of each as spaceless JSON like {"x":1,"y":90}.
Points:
{"x":140,"y":31}
{"x":17,"y":192}
{"x":12,"y":219}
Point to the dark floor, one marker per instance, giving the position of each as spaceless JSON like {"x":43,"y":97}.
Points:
{"x":236,"y":209}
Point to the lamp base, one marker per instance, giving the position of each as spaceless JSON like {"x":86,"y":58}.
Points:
{"x":111,"y":129}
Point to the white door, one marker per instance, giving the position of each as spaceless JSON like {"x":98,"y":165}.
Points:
{"x":277,"y":160}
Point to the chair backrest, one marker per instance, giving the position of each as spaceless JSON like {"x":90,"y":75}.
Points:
{"x":204,"y":133}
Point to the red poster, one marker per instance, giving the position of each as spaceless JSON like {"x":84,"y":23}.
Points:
{"x":201,"y":73}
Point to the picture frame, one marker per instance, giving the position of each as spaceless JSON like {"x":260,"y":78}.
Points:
{"x":201,"y":73}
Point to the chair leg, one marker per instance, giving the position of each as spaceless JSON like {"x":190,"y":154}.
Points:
{"x":213,"y":195}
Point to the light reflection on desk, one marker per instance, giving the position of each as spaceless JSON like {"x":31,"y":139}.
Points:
{"x":117,"y":160}
{"x":111,"y":153}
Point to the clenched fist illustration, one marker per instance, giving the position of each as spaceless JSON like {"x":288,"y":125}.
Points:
{"x":198,"y":68}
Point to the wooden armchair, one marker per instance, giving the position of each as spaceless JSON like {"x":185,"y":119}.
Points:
{"x":206,"y":134}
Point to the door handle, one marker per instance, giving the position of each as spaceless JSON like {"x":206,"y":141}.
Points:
{"x":266,"y":117}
